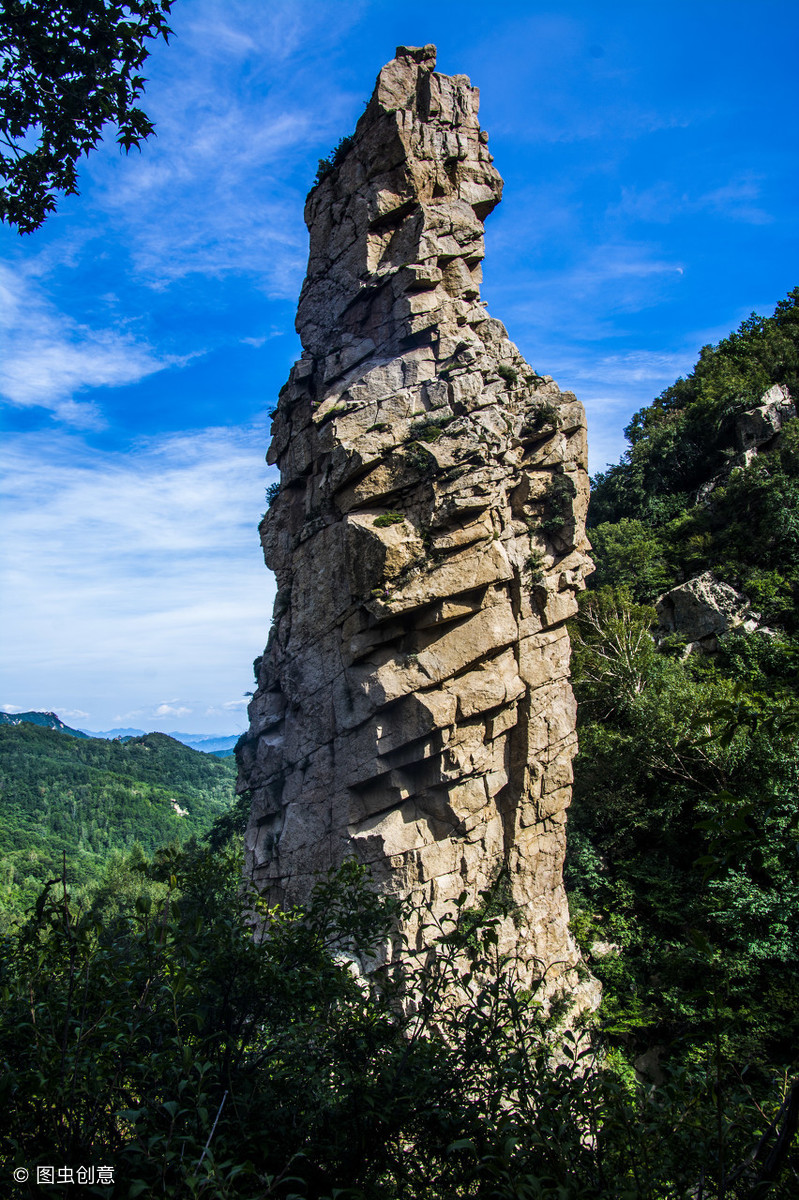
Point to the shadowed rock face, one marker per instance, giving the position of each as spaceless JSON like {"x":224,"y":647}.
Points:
{"x":413,"y":706}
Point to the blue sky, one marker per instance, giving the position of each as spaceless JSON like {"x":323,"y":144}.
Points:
{"x":649,"y":157}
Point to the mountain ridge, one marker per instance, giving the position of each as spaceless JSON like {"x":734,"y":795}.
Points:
{"x":219,"y":745}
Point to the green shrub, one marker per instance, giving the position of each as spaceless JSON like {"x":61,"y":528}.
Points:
{"x":328,"y":165}
{"x":429,"y":429}
{"x":558,"y":498}
{"x":420,"y":459}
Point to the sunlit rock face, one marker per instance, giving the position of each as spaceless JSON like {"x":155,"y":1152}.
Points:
{"x":413,"y":707}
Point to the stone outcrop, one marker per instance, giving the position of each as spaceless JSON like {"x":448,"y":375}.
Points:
{"x":413,"y":706}
{"x":701,"y":610}
{"x":757,"y":428}
{"x":757,"y":431}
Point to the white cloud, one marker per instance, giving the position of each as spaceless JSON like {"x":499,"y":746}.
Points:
{"x":11,"y":708}
{"x":736,"y":200}
{"x":125,"y":573}
{"x":583,"y":299}
{"x":634,"y":367}
{"x":47,"y":359}
{"x":169,"y":710}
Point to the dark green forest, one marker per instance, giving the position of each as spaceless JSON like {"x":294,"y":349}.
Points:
{"x":81,"y":801}
{"x":144,"y":1026}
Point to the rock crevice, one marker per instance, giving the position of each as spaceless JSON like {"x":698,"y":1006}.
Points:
{"x":413,"y":706}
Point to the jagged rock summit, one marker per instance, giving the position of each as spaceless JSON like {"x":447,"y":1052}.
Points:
{"x":413,"y":706}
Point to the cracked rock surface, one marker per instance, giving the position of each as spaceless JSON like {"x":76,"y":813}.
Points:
{"x":413,"y":706}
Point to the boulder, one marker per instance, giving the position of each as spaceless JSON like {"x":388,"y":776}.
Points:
{"x":702,"y":609}
{"x":760,"y":425}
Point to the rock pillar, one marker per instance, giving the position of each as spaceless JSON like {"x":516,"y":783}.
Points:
{"x":413,"y":706}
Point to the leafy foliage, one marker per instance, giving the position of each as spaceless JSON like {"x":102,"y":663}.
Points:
{"x":428,"y":428}
{"x":684,"y":820}
{"x":67,"y":68}
{"x":202,"y":1061}
{"x":680,"y":440}
{"x":673,"y":508}
{"x":328,"y":165}
{"x":557,"y":504}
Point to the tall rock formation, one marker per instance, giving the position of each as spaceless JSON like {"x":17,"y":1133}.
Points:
{"x":413,"y":706}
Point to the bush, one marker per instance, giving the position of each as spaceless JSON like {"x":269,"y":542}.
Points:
{"x":202,"y":1061}
{"x":328,"y":165}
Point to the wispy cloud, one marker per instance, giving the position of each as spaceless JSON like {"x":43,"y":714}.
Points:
{"x":633,"y":368}
{"x":584,"y":297}
{"x":222,"y":187}
{"x":739,"y":199}
{"x":47,"y":359}
{"x":149,"y":560}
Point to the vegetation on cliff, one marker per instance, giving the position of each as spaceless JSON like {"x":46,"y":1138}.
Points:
{"x":677,"y":504}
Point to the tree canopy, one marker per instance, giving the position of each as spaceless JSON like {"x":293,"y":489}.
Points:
{"x":67,"y":68}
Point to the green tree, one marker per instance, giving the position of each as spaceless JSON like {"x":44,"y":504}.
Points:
{"x":629,"y":554}
{"x":684,"y":825}
{"x":67,"y":68}
{"x":684,"y":437}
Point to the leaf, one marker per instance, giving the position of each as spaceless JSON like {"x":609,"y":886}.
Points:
{"x":461,"y":1144}
{"x":137,"y":1187}
{"x":130,"y":1114}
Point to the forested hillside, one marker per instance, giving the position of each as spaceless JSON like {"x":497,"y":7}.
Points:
{"x":684,"y":500}
{"x":86,"y":798}
{"x":684,"y":828}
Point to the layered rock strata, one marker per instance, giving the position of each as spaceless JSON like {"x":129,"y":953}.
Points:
{"x":413,"y":706}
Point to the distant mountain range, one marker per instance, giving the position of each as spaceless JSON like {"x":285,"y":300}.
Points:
{"x":209,"y":743}
{"x":47,"y":720}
